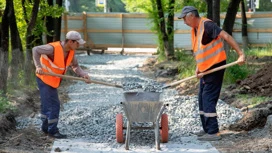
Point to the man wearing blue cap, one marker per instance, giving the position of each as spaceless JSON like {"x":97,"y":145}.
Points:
{"x":209,"y":53}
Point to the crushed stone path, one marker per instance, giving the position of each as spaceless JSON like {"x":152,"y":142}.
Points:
{"x":88,"y":118}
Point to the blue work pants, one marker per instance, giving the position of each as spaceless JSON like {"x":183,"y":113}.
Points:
{"x":50,"y":107}
{"x":209,"y":92}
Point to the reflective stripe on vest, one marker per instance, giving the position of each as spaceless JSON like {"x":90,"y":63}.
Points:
{"x":57,"y":66}
{"x":209,"y":54}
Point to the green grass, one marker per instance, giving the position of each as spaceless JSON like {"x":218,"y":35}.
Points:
{"x":252,"y":101}
{"x":236,"y":72}
{"x":260,"y":52}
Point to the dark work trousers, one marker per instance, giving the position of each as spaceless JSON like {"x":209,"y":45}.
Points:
{"x":50,"y":107}
{"x":209,"y":92}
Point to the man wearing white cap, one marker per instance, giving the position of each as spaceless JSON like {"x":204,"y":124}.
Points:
{"x":209,"y":53}
{"x":55,"y":58}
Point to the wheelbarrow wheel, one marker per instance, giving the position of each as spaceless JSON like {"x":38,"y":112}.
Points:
{"x":164,"y":128}
{"x":119,"y":128}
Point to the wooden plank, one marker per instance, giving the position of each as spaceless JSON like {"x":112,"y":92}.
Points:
{"x":124,"y":31}
{"x":117,"y":15}
{"x":74,"y":29}
{"x":85,"y":33}
{"x":118,"y":31}
{"x":252,"y":15}
{"x":123,"y":37}
{"x":104,"y":15}
{"x":142,"y":15}
{"x":125,"y":46}
{"x":75,"y":17}
{"x":249,"y":15}
{"x":182,"y":31}
{"x":257,"y":45}
{"x":255,"y":30}
{"x":65,"y":24}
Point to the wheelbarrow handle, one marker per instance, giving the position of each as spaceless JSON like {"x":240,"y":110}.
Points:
{"x":82,"y":79}
{"x":204,"y":73}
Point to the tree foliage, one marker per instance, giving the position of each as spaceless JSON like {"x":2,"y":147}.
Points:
{"x":30,"y":27}
{"x":265,"y":5}
{"x":23,"y":16}
{"x":161,"y":15}
{"x":90,"y":6}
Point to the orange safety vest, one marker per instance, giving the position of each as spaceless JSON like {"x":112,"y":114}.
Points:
{"x":209,"y":54}
{"x":57,"y":66}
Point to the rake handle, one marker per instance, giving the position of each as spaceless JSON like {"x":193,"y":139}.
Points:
{"x":82,"y":79}
{"x":204,"y":73}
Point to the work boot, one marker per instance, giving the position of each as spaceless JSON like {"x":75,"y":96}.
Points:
{"x":210,"y":137}
{"x":57,"y":136}
{"x":44,"y":132}
{"x":199,"y":133}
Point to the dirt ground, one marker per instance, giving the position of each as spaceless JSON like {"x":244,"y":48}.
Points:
{"x":238,"y":139}
{"x":29,"y":140}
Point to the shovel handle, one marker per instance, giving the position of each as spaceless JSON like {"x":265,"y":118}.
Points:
{"x":82,"y":79}
{"x":204,"y":73}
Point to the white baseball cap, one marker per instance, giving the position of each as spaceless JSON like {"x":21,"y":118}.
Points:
{"x":74,"y":35}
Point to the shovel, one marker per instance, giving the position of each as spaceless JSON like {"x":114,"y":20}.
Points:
{"x":204,"y":73}
{"x":82,"y":79}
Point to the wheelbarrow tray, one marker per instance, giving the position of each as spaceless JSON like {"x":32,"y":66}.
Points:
{"x":142,"y":106}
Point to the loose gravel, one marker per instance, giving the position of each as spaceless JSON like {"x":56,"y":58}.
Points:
{"x":91,"y":111}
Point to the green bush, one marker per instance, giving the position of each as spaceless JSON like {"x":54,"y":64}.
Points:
{"x":187,"y":64}
{"x":236,"y":72}
{"x":4,"y":103}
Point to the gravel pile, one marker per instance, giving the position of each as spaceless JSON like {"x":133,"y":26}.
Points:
{"x":91,"y":111}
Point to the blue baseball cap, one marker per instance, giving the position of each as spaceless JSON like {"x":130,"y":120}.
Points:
{"x":186,"y":10}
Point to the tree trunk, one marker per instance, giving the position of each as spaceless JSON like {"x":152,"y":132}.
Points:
{"x":231,"y":15}
{"x":216,"y":12}
{"x":29,"y":66}
{"x":16,"y":46}
{"x":244,"y":26}
{"x":57,"y":26}
{"x":209,"y":9}
{"x":4,"y":50}
{"x":157,"y":26}
{"x":167,"y":43}
{"x":162,"y":26}
{"x":50,"y":25}
{"x":229,"y":19}
{"x":170,"y":31}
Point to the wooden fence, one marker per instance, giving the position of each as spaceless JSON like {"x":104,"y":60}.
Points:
{"x":126,"y":30}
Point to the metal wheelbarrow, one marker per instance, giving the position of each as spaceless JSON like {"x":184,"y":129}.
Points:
{"x":143,"y":107}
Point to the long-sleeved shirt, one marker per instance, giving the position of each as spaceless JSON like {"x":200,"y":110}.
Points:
{"x":49,"y":51}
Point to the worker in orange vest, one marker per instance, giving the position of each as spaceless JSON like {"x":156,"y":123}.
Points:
{"x":209,"y":53}
{"x":55,"y":58}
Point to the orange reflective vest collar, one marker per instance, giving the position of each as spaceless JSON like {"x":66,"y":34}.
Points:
{"x":209,"y":54}
{"x":57,"y":66}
